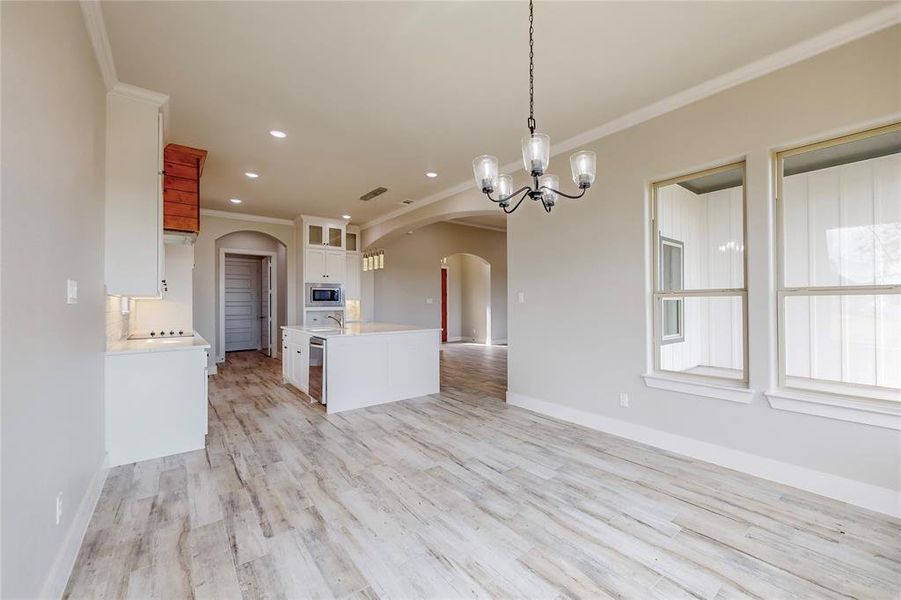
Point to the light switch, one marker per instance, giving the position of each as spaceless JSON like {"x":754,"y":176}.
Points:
{"x":521,"y":297}
{"x":71,"y":291}
{"x":429,"y":300}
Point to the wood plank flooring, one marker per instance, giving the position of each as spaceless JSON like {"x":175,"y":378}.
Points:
{"x":458,"y":496}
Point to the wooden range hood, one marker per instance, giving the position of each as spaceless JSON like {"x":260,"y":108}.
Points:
{"x":183,"y":167}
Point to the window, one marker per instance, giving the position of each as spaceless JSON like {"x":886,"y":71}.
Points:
{"x":671,"y":273}
{"x":699,"y":297}
{"x":839,"y":280}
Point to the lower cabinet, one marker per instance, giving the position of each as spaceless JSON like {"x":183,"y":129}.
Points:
{"x":155,"y":405}
{"x":296,"y":360}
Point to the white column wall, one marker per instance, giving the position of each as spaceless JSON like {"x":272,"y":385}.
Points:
{"x":843,"y":227}
{"x":710,"y":227}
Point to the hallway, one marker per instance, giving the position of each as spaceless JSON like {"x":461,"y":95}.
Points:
{"x":474,"y":369}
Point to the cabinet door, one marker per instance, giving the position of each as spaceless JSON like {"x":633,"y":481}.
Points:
{"x":286,"y":360}
{"x":352,"y":276}
{"x":298,"y":354}
{"x":335,"y":267}
{"x":350,"y":242}
{"x":133,"y":218}
{"x":335,"y":236}
{"x":315,"y":234}
{"x":314,"y":266}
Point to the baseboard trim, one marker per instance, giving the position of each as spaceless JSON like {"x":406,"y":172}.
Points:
{"x":865,"y":495}
{"x":55,"y":583}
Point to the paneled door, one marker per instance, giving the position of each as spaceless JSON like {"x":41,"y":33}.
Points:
{"x":242,"y":303}
{"x":266,"y":341}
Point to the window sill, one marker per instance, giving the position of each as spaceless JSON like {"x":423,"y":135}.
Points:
{"x":880,"y":413}
{"x":741,"y":395}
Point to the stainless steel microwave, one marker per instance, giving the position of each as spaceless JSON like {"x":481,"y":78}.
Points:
{"x":324,"y":294}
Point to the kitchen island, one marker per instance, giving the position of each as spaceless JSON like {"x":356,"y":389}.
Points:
{"x":361,"y":364}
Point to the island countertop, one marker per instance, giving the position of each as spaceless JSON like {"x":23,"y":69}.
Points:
{"x":358,"y":329}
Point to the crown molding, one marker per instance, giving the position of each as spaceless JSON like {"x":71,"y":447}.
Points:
{"x":476,"y":225}
{"x":833,"y":38}
{"x":93,"y":20}
{"x":224,"y":214}
{"x":137,"y":93}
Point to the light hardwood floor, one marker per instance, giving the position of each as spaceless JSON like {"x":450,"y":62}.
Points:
{"x":457,"y":496}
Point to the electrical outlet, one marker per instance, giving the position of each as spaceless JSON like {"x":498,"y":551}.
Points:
{"x":624,"y":399}
{"x":59,"y":507}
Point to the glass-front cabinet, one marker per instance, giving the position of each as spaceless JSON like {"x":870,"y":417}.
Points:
{"x":350,"y":241}
{"x":322,"y":232}
{"x":314,"y":234}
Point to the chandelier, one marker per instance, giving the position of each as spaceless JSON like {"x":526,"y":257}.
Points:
{"x":536,"y":154}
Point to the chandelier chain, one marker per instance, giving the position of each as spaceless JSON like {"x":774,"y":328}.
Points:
{"x":531,"y":121}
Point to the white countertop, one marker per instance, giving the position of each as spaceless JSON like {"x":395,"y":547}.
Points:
{"x":358,"y":329}
{"x":157,"y":345}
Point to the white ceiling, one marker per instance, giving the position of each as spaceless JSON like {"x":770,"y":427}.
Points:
{"x":376,"y":93}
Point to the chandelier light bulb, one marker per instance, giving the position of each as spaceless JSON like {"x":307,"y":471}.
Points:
{"x":484,"y":168}
{"x":504,"y":186}
{"x":584,"y":168}
{"x":549,"y":196}
{"x":536,"y":153}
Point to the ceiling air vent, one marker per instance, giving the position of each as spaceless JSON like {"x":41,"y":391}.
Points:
{"x":372,"y":194}
{"x":407,"y":201}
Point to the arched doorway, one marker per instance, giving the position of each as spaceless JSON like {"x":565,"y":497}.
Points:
{"x":251,"y":285}
{"x":465,"y":298}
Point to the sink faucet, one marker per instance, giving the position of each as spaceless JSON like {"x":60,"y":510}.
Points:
{"x":336,"y":320}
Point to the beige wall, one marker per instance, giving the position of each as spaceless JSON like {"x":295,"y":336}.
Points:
{"x":53,"y":123}
{"x":412,"y":274}
{"x":206,"y":261}
{"x":598,"y":249}
{"x":254,"y":240}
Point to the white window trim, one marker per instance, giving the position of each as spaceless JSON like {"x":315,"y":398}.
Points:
{"x":881,"y":413}
{"x":856,"y":408}
{"x":738,"y":393}
{"x":698,"y":383}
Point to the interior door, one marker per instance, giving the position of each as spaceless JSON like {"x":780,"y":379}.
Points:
{"x":266,"y":337}
{"x":242,"y":304}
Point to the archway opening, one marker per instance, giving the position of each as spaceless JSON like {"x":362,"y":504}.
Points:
{"x":465,"y":298}
{"x":251,"y":285}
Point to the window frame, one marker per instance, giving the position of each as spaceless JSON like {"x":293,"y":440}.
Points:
{"x":680,"y":302}
{"x":783,"y":291}
{"x":657,"y":294}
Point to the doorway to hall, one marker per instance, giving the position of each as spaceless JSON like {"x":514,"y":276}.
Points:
{"x":465,"y":299}
{"x":248,"y":302}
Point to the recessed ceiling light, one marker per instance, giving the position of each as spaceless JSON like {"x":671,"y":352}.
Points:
{"x":235,"y":200}
{"x":431,"y":174}
{"x":345,"y":217}
{"x":278,"y":134}
{"x":252,"y":175}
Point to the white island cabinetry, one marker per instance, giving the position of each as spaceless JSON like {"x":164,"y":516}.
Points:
{"x":371,"y":363}
{"x":295,"y":358}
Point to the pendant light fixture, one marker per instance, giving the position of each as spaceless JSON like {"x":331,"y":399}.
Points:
{"x":536,"y":154}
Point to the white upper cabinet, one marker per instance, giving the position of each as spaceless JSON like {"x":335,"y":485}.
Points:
{"x":335,"y":267}
{"x":134,"y":256}
{"x":323,"y":232}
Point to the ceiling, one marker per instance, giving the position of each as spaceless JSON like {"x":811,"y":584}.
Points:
{"x":377,"y":93}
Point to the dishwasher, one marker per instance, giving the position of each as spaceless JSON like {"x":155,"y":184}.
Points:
{"x":316,"y":382}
